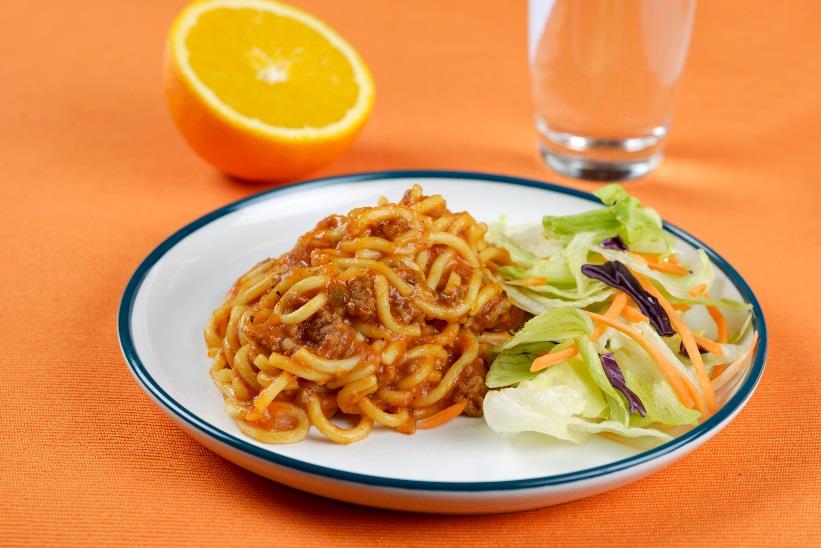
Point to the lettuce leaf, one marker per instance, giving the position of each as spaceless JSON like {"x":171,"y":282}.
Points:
{"x":640,"y":228}
{"x":723,"y":302}
{"x":613,"y":427}
{"x":566,"y":285}
{"x":701,"y":272}
{"x":576,"y":398}
{"x":643,"y":377}
{"x":661,"y":345}
{"x":528,"y":409}
{"x":745,"y":328}
{"x":561,"y":267}
{"x":562,"y":402}
{"x":556,"y":325}
{"x":617,"y":408}
{"x":539,"y":335}
{"x":535,"y":301}
{"x":574,"y":373}
{"x":513,"y":366}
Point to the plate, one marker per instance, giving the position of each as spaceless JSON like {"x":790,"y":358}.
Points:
{"x":462,"y":467}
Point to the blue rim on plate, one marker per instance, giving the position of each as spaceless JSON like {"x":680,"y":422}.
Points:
{"x":154,"y":389}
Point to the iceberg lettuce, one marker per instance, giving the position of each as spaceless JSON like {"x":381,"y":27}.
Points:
{"x":612,"y":384}
{"x":562,"y":402}
{"x":538,"y":336}
{"x":638,"y":227}
{"x":576,"y":398}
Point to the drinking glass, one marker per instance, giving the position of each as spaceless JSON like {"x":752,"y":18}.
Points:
{"x":604,"y":76}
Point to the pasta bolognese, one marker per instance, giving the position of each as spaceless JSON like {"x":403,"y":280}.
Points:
{"x":380,"y":316}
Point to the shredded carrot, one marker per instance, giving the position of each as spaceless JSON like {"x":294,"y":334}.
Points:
{"x":613,"y":311}
{"x":677,"y":381}
{"x":721,"y":323}
{"x":552,"y":358}
{"x":632,"y":314}
{"x":698,"y":290}
{"x":734,"y":368}
{"x":443,"y":416}
{"x":701,"y":405}
{"x":708,"y":345}
{"x":670,"y":266}
{"x":717,"y":370}
{"x":689,"y":343}
{"x":682,"y":307}
{"x":537,"y":280}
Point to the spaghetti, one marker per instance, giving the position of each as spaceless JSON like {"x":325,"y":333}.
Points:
{"x":381,"y":316}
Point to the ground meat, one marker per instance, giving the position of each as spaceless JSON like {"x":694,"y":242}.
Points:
{"x":391,"y":228}
{"x":453,"y":296}
{"x":410,"y":276}
{"x":360,"y":300}
{"x":268,"y":334}
{"x":456,"y":294}
{"x":329,"y":335}
{"x":386,"y":374}
{"x":403,"y":308}
{"x":498,"y":314}
{"x":300,"y":255}
{"x":471,"y":388}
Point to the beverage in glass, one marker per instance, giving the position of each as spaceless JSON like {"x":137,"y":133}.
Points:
{"x":604,"y":76}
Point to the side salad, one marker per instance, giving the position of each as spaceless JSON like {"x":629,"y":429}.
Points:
{"x":626,"y":339}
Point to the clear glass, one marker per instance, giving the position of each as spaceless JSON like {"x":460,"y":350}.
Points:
{"x":604,"y":76}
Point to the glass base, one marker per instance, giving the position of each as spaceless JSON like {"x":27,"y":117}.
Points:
{"x":600,"y":159}
{"x":595,"y":170}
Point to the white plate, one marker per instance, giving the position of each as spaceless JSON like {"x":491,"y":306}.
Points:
{"x":462,"y":467}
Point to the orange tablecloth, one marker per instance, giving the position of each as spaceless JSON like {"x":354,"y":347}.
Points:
{"x":93,"y":175}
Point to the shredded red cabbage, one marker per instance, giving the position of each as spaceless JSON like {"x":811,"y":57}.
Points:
{"x":616,"y":378}
{"x":616,"y":275}
{"x":614,"y":243}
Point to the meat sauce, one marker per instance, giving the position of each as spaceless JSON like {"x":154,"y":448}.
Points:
{"x":331,"y":331}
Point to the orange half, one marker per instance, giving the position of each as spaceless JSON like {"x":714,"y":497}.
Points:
{"x":262,"y":90}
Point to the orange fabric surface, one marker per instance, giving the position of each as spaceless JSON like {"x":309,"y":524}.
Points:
{"x":93,"y":175}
